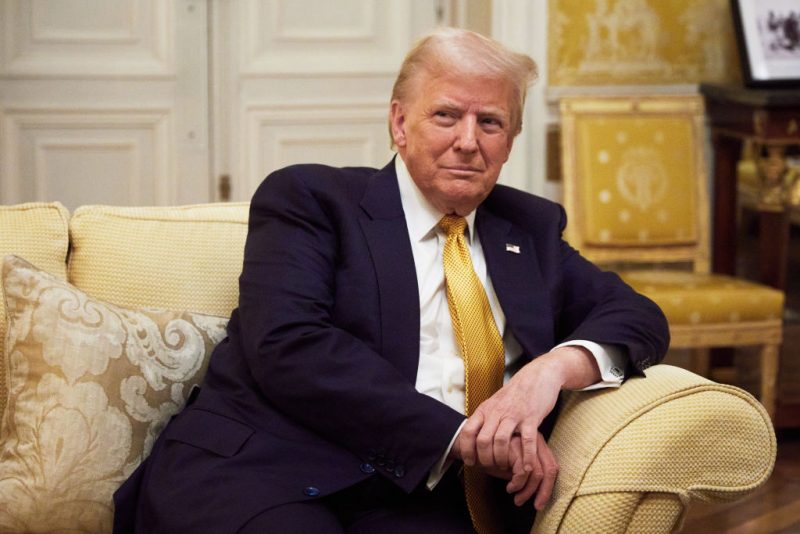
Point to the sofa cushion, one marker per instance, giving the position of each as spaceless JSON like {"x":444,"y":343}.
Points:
{"x":186,"y":257}
{"x":90,"y":387}
{"x":38,"y":232}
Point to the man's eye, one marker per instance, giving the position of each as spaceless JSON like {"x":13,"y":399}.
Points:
{"x":444,"y":117}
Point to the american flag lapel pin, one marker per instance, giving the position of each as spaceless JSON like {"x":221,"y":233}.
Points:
{"x":511,"y":247}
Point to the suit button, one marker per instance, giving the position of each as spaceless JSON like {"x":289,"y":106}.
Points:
{"x":399,"y":471}
{"x":367,"y":468}
{"x":390,"y":466}
{"x":311,"y":491}
{"x":371,"y":455}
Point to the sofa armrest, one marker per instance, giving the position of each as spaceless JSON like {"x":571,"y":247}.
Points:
{"x":637,"y":455}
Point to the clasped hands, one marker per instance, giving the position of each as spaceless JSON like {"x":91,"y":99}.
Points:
{"x":502,"y":436}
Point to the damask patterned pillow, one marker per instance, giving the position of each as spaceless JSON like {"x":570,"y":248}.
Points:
{"x":90,"y":387}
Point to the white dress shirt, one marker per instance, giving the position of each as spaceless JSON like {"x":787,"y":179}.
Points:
{"x":441,"y":368}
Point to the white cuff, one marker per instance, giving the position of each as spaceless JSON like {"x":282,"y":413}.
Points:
{"x":610,"y":360}
{"x":441,"y":467}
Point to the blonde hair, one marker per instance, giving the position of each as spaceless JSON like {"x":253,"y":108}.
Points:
{"x":453,"y":50}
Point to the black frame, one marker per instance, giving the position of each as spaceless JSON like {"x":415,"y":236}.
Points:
{"x":750,"y":50}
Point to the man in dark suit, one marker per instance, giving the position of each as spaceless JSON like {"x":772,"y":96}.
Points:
{"x":337,"y":403}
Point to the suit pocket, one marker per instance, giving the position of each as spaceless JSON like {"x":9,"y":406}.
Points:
{"x":209,"y":431}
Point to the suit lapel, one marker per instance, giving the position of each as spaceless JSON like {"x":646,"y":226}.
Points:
{"x":384,"y":225}
{"x":517,"y":281}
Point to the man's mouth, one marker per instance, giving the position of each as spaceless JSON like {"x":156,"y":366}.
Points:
{"x":462,"y":170}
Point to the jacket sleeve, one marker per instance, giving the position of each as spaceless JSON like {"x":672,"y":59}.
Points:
{"x":598,"y":306}
{"x":310,"y":368}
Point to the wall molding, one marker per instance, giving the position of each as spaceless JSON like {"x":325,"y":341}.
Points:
{"x":145,"y":49}
{"x":16,"y":121}
{"x":257,"y":117}
{"x":376,"y":47}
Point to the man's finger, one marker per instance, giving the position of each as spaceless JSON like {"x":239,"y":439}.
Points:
{"x":502,"y":443}
{"x":529,"y":444}
{"x":485,"y":442}
{"x":550,"y":471}
{"x":532,"y":484}
{"x":519,"y":477}
{"x":469,"y":433}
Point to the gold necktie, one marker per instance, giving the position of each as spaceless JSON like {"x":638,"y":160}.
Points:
{"x":481,"y":348}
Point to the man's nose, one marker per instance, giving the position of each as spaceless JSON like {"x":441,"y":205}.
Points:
{"x":467,"y":135}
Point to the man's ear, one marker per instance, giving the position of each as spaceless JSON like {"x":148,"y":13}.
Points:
{"x":397,"y":120}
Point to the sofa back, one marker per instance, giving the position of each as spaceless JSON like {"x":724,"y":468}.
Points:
{"x":186,"y":257}
{"x":37,"y":231}
{"x":181,"y":258}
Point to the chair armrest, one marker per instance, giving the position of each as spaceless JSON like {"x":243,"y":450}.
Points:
{"x":637,"y":455}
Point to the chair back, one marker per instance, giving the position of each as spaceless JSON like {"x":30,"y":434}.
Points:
{"x":634,"y":175}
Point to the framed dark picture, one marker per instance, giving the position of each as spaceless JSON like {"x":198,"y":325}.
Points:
{"x":768,"y":34}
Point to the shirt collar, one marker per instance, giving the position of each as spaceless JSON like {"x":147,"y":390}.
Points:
{"x":421,"y":216}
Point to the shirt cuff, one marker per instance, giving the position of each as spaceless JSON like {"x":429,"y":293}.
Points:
{"x":441,"y":467}
{"x":610,"y":360}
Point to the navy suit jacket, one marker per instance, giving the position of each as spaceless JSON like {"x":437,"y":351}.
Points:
{"x":314,"y":388}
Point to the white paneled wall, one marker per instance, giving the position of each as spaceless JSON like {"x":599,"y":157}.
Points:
{"x":88,"y":38}
{"x":309,"y":81}
{"x":151,"y":101}
{"x":100,"y":101}
{"x":107,"y":156}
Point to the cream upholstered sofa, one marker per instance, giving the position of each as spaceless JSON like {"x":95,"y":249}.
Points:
{"x":112,"y":313}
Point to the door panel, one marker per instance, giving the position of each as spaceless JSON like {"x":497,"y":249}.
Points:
{"x":104,"y":102}
{"x":309,"y":82}
{"x":149,"y":101}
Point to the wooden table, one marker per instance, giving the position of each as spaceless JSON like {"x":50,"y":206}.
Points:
{"x":770,"y":118}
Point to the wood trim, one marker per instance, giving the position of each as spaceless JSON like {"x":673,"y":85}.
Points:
{"x":727,"y":334}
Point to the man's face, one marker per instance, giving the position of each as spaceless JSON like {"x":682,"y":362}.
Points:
{"x":454,"y":134}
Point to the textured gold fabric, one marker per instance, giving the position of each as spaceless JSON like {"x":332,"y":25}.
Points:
{"x":639,"y":191}
{"x":91,"y":386}
{"x":186,"y":257}
{"x":655,"y":512}
{"x":37,"y":232}
{"x":693,"y":298}
{"x":623,"y":43}
{"x":481,"y":348}
{"x":673,"y":434}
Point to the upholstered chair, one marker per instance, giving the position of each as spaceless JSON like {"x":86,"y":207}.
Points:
{"x":635,"y":181}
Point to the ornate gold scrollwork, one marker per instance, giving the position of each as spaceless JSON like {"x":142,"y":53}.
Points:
{"x":794,"y":192}
{"x":779,"y":182}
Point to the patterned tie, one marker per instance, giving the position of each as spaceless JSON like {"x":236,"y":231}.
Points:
{"x":482,"y":350}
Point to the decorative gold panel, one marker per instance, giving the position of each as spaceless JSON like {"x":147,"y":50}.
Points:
{"x":639,"y":191}
{"x":605,"y":42}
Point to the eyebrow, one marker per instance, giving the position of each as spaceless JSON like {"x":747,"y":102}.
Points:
{"x":451,"y":105}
